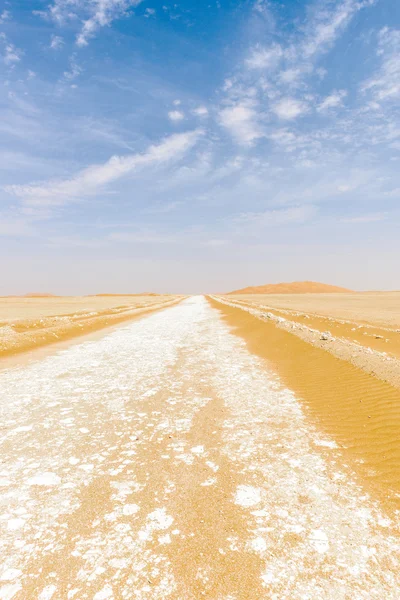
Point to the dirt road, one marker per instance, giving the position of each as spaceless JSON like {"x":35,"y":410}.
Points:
{"x":165,"y":461}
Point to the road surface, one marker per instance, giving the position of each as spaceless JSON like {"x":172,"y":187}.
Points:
{"x":164,"y":461}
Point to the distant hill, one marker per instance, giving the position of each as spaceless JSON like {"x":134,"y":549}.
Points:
{"x":121,"y":295}
{"x":295,"y":287}
{"x":39,"y":295}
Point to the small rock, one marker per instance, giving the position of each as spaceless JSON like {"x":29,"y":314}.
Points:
{"x":325,"y":335}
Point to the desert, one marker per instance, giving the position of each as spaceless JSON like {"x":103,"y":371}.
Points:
{"x":38,"y":320}
{"x":184,"y":424}
{"x":365,"y":308}
{"x":200,"y":300}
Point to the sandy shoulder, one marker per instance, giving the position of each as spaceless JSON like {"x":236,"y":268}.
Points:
{"x":353,"y":396}
{"x":27,"y":324}
{"x":373,"y":349}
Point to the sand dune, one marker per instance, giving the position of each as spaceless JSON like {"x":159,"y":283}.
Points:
{"x":39,"y":295}
{"x":108,"y":295}
{"x":295,"y":287}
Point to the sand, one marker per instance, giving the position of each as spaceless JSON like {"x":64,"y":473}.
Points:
{"x":168,"y":461}
{"x":346,"y":394}
{"x":27,"y":323}
{"x":21,"y":308}
{"x":373,"y":348}
{"x":294,"y":287}
{"x":375,"y":308}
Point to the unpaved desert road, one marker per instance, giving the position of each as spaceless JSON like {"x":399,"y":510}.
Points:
{"x":164,"y":461}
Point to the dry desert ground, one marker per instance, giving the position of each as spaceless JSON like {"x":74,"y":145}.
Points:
{"x":221,"y":447}
{"x":27,"y":323}
{"x":374,"y":308}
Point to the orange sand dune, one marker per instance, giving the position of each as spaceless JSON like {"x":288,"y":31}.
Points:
{"x":31,"y":295}
{"x":295,"y":287}
{"x":39,"y":295}
{"x":118,"y":295}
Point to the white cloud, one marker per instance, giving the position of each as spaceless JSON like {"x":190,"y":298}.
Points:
{"x":270,"y":72}
{"x":103,"y":13}
{"x":176,"y":115}
{"x":5,"y":16}
{"x":91,"y":14}
{"x":242,"y":122}
{"x":325,"y":27}
{"x":261,"y":6}
{"x":291,"y":76}
{"x":56,"y":42}
{"x":200,"y":111}
{"x":11,"y":55}
{"x":90,"y":180}
{"x":385,"y":84}
{"x":177,"y":102}
{"x":333,"y":101}
{"x":264,"y":58}
{"x":74,"y":71}
{"x":289,"y":108}
{"x":149,"y":12}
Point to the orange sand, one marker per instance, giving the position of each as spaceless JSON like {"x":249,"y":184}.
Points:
{"x":361,"y":412}
{"x":295,"y":287}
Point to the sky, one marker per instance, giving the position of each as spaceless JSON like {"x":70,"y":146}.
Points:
{"x":196,"y":147}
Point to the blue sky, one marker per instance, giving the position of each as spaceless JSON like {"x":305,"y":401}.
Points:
{"x":198,"y":146}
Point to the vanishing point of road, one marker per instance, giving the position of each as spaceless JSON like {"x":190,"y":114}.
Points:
{"x":165,"y":461}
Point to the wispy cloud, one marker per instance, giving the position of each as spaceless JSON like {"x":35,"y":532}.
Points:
{"x":326,"y":25}
{"x":5,"y":16}
{"x":103,"y":13}
{"x":74,"y":70}
{"x":334,"y":100}
{"x":264,"y":58}
{"x":92,"y":15}
{"x":11,"y":54}
{"x":384,"y":85}
{"x":90,"y":180}
{"x":297,"y":141}
{"x":276,"y":76}
{"x":200,"y":111}
{"x":56,"y":42}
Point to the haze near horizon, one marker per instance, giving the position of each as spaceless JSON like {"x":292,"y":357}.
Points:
{"x":192,"y":148}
